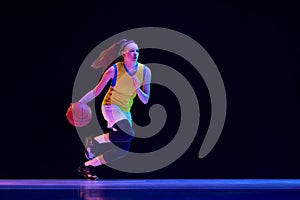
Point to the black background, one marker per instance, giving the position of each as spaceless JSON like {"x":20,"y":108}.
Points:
{"x":254,"y":44}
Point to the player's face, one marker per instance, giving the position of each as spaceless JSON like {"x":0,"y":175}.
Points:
{"x":131,"y":52}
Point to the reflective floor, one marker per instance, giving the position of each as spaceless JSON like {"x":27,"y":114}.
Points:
{"x":151,"y":189}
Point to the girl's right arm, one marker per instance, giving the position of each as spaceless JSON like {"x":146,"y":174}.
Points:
{"x":108,"y":74}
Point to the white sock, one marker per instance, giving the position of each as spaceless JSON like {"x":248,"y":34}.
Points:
{"x":101,"y":139}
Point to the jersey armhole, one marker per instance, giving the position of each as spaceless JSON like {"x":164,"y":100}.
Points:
{"x":144,"y":73}
{"x":113,"y":83}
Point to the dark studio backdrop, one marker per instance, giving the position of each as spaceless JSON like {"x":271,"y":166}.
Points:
{"x":254,"y":44}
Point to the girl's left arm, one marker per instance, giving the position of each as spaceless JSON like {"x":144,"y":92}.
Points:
{"x":144,"y":93}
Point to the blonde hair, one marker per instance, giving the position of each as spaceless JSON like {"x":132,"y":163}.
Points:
{"x":124,"y":44}
{"x":109,"y":55}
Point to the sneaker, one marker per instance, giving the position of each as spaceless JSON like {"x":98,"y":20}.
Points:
{"x":88,"y":148}
{"x":86,"y":172}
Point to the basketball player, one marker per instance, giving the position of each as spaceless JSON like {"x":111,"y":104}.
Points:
{"x":129,"y":79}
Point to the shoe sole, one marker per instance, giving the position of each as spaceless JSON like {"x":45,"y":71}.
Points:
{"x":86,"y":145}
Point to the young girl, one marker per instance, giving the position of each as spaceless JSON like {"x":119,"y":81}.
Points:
{"x":129,"y":79}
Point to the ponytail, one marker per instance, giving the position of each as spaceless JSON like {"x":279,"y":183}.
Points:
{"x":108,"y":56}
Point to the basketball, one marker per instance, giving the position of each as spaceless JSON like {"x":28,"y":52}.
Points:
{"x":79,"y":114}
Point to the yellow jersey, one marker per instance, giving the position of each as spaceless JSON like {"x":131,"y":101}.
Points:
{"x":121,"y":91}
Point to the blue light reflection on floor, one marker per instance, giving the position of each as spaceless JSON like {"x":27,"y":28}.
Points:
{"x":213,"y":189}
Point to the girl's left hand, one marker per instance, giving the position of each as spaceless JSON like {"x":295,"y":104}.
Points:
{"x":136,"y":82}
